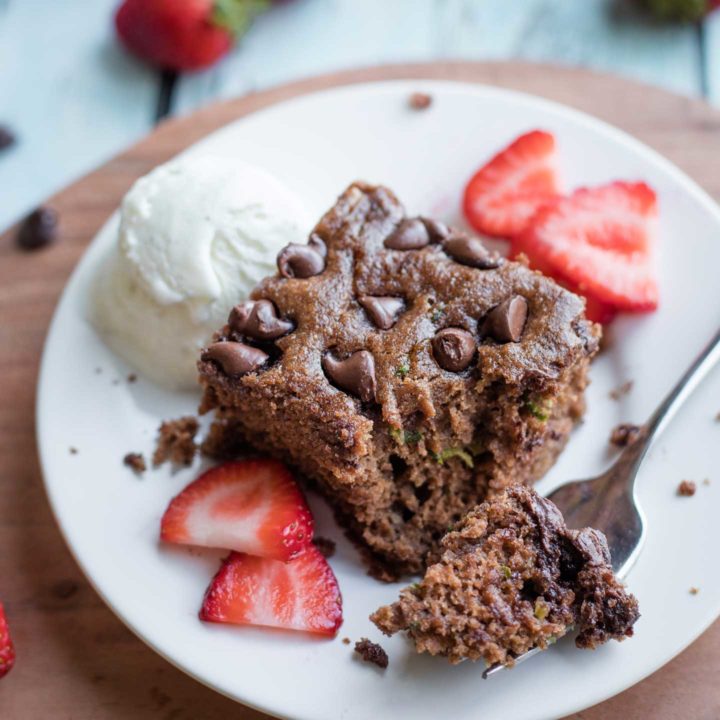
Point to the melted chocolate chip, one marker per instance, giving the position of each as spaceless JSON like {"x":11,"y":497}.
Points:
{"x":437,"y":230}
{"x":470,"y":251}
{"x":453,"y":349}
{"x":355,"y":375}
{"x":38,"y":229}
{"x":318,"y":245}
{"x":235,"y":358}
{"x":506,"y":322}
{"x":300,"y":261}
{"x":259,"y":320}
{"x":410,"y":234}
{"x":382,"y":311}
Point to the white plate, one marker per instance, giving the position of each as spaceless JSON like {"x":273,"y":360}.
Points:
{"x":317,"y":144}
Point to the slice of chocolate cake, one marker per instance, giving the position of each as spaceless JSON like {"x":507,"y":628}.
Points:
{"x":404,"y":369}
{"x":512,"y":577}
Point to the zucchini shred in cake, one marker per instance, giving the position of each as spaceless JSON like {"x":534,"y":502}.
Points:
{"x":403,"y":369}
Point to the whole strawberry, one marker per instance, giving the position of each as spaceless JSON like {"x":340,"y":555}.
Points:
{"x":7,"y":650}
{"x":184,"y":34}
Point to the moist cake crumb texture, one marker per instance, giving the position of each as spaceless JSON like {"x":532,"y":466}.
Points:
{"x":371,"y":652}
{"x":404,"y":369}
{"x":512,"y":577}
{"x":176,"y":441}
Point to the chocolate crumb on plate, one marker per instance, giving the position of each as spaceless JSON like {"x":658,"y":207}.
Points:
{"x":686,"y":488}
{"x":132,"y":377}
{"x":136,"y":462}
{"x":38,"y":229}
{"x":346,"y":641}
{"x":371,"y":652}
{"x":420,"y":101}
{"x":176,"y":441}
{"x":622,"y":390}
{"x":694,"y":590}
{"x":73,"y":451}
{"x":326,"y":546}
{"x":717,"y":417}
{"x":624,"y":434}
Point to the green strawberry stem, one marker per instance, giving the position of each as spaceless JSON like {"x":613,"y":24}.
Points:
{"x":236,"y":16}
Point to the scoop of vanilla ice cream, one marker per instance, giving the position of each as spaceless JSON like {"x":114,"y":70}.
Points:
{"x":196,"y":235}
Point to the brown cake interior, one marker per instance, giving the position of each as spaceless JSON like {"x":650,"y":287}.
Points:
{"x":433,"y":444}
{"x":512,"y":577}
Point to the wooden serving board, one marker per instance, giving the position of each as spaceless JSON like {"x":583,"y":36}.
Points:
{"x":75,"y":659}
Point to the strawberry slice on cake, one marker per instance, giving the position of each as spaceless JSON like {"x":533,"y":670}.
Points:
{"x":507,"y":191}
{"x":299,"y":595}
{"x":599,"y":241}
{"x":251,"y":506}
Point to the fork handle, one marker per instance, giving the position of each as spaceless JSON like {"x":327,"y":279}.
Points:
{"x":658,"y":421}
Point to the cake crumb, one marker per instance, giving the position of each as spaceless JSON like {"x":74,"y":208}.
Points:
{"x":73,"y":451}
{"x":622,"y":390}
{"x":371,"y":652}
{"x":325,"y":546}
{"x":624,"y":434}
{"x":420,"y":101}
{"x":132,"y":377}
{"x":706,"y":481}
{"x":694,"y":590}
{"x":346,"y":641}
{"x":136,"y":462}
{"x":686,"y":488}
{"x":176,"y":441}
{"x":717,"y":417}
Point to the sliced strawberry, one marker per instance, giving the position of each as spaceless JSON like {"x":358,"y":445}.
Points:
{"x":251,"y":506}
{"x":7,"y":649}
{"x":299,"y":595}
{"x":600,"y":240}
{"x":505,"y":193}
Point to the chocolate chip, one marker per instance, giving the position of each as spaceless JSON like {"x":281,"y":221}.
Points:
{"x":453,"y":349}
{"x":300,"y":261}
{"x":506,"y":322}
{"x":235,"y":358}
{"x":259,"y":320}
{"x":7,"y":138}
{"x":382,"y":311}
{"x":38,"y":229}
{"x":410,"y":234}
{"x":420,"y":101}
{"x":437,"y":230}
{"x":318,"y":245}
{"x":356,"y":374}
{"x":470,"y":251}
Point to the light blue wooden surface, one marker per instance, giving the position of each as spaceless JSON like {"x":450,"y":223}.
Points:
{"x":74,"y":98}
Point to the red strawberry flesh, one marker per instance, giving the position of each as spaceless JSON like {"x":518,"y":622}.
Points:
{"x":600,"y":240}
{"x":506,"y":192}
{"x":251,"y":506}
{"x":7,"y":649}
{"x":300,"y":595}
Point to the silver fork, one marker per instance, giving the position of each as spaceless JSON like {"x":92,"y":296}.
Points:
{"x":608,"y":502}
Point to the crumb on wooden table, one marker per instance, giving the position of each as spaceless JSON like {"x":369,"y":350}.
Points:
{"x":420,"y":101}
{"x":686,"y":488}
{"x":176,"y":441}
{"x":136,"y":462}
{"x":371,"y":652}
{"x":624,"y":434}
{"x":326,"y":546}
{"x":622,"y":390}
